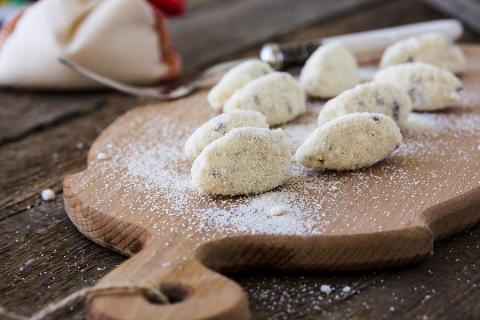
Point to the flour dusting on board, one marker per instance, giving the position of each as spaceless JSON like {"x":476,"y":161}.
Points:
{"x":155,"y":178}
{"x":254,"y":216}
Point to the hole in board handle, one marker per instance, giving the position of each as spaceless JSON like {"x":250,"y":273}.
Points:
{"x":174,"y":291}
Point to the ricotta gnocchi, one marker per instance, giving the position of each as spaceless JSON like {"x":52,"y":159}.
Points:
{"x":432,"y":48}
{"x":244,"y":161}
{"x":354,"y":141}
{"x":330,"y":70}
{"x":277,"y":95}
{"x":235,"y":79}
{"x":380,"y":97}
{"x":219,"y":126}
{"x":429,"y":87}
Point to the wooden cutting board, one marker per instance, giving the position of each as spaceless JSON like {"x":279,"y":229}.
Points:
{"x":135,"y":197}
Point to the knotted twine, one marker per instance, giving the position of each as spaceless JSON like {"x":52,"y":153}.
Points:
{"x":149,"y":292}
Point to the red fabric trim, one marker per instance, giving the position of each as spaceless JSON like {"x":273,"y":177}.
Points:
{"x":9,"y":26}
{"x":169,"y":55}
{"x":169,"y":7}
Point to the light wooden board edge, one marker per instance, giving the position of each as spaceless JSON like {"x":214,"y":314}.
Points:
{"x":202,"y":300}
{"x":326,"y":253}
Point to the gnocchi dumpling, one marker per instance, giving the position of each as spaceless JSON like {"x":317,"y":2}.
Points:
{"x":380,"y":97}
{"x":432,"y":48}
{"x":220,"y":125}
{"x":429,"y":87}
{"x":354,"y":141}
{"x":330,"y":70}
{"x":244,"y":161}
{"x":277,"y":95}
{"x":235,"y":79}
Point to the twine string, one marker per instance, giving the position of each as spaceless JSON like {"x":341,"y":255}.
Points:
{"x":150,"y":292}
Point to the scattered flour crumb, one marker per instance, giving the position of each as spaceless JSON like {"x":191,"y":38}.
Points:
{"x":26,"y":264}
{"x":102,"y":156}
{"x":79,"y":145}
{"x":346,"y":289}
{"x":278,"y":211}
{"x":48,"y":195}
{"x":325,"y":288}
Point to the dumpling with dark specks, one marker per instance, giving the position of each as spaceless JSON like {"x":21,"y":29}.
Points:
{"x":353,"y":141}
{"x":329,"y":71}
{"x":219,"y":126}
{"x":276,"y":95}
{"x":428,"y":87}
{"x":432,"y":48}
{"x":380,"y":97}
{"x":235,"y":79}
{"x":244,"y":161}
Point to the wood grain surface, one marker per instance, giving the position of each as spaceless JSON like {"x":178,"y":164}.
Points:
{"x":137,"y":199}
{"x":233,"y":25}
{"x":40,"y":248}
{"x":464,"y":10}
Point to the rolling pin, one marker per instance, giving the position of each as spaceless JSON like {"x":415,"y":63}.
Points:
{"x":366,"y":46}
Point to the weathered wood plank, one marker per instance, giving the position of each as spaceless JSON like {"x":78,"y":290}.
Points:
{"x":50,"y":255}
{"x":44,"y":234}
{"x":376,"y":17}
{"x":42,"y":159}
{"x":21,"y":112}
{"x":442,"y":287}
{"x":466,"y":10}
{"x":231,"y":26}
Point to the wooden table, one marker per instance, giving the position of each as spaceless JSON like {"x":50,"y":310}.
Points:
{"x":44,"y":136}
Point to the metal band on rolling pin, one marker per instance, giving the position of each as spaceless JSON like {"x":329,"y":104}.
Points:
{"x":363,"y":45}
{"x":285,"y":56}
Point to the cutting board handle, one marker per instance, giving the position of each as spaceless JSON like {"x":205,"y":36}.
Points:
{"x":194,"y":291}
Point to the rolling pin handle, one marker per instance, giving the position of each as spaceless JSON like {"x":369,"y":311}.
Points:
{"x":365,"y":45}
{"x":284,"y":56}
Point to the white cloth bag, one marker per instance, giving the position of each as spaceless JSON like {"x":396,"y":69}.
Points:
{"x":121,"y":39}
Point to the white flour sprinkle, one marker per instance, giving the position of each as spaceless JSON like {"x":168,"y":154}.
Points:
{"x":157,"y":166}
{"x":325,"y":288}
{"x":277,"y":211}
{"x":346,"y":289}
{"x":296,"y":133}
{"x":253,"y":215}
{"x":153,"y":177}
{"x":48,"y":195}
{"x":102,"y":156}
{"x":26,"y":264}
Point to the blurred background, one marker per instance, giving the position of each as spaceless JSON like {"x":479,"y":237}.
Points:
{"x":45,"y":135}
{"x":9,"y":7}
